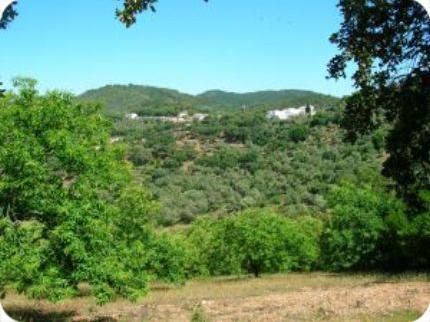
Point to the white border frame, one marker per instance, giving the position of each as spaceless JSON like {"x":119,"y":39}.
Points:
{"x":3,"y":5}
{"x":425,"y":4}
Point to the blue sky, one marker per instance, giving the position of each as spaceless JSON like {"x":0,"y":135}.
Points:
{"x":189,"y":45}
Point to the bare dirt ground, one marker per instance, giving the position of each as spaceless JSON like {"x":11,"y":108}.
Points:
{"x":292,"y":297}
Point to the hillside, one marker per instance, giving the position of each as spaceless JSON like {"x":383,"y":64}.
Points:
{"x":275,"y":99}
{"x":120,"y":99}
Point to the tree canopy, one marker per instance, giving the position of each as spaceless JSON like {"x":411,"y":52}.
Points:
{"x":70,"y":210}
{"x":389,"y":43}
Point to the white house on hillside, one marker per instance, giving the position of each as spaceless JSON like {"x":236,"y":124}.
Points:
{"x":182,"y":117}
{"x":132,"y":116}
{"x":288,"y":113}
{"x":199,"y":117}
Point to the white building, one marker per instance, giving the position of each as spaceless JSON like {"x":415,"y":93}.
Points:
{"x":199,"y":117}
{"x":182,"y":117}
{"x":132,"y":116}
{"x":288,"y":113}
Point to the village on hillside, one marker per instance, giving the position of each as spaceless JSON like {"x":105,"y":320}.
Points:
{"x":185,"y":117}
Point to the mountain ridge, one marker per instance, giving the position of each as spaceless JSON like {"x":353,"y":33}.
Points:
{"x":151,"y":100}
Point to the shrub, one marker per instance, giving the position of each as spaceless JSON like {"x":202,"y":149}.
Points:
{"x":257,"y":241}
{"x":298,"y":132}
{"x":354,"y":230}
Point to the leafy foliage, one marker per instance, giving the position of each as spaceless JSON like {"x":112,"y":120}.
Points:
{"x":255,"y":241}
{"x":245,"y":160}
{"x":389,"y":41}
{"x":70,"y":211}
{"x":355,"y":228}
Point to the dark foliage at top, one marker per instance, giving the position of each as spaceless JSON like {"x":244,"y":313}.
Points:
{"x":389,"y":41}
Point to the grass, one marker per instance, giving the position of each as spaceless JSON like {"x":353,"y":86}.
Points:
{"x":244,"y":286}
{"x":397,"y":316}
{"x":240,"y":298}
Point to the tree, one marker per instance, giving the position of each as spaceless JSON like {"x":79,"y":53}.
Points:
{"x":70,"y":211}
{"x":257,"y":241}
{"x":389,"y":42}
{"x":357,"y":231}
{"x":298,"y":132}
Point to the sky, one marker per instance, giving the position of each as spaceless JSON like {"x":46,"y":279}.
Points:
{"x":188,"y":45}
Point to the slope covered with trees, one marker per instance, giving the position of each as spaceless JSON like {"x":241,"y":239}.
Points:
{"x":242,"y":159}
{"x":117,"y":100}
{"x":145,"y":100}
{"x":268,"y":99}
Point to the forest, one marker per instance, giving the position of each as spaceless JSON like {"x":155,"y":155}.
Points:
{"x":90,"y":196}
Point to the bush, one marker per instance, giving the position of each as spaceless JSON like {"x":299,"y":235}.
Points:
{"x":166,"y":258}
{"x":418,"y":237}
{"x":256,"y":241}
{"x":355,"y":229}
{"x":298,"y":132}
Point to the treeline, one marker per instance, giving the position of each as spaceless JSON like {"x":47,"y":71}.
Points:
{"x":362,"y":230}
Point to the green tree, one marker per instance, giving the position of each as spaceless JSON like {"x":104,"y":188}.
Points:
{"x":354,"y":234}
{"x":69,"y":210}
{"x":298,"y":132}
{"x":417,"y":237}
{"x":389,"y":42}
{"x":259,"y":241}
{"x":2,"y":91}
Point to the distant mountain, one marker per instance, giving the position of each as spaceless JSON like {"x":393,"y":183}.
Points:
{"x":273,"y":99}
{"x":147,"y":100}
{"x":120,"y":99}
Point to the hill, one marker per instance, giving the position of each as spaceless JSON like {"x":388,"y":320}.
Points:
{"x":120,"y":99}
{"x":147,"y":100}
{"x":272,"y":99}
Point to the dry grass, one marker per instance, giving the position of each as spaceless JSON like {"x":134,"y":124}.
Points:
{"x":399,"y":316}
{"x":292,"y":297}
